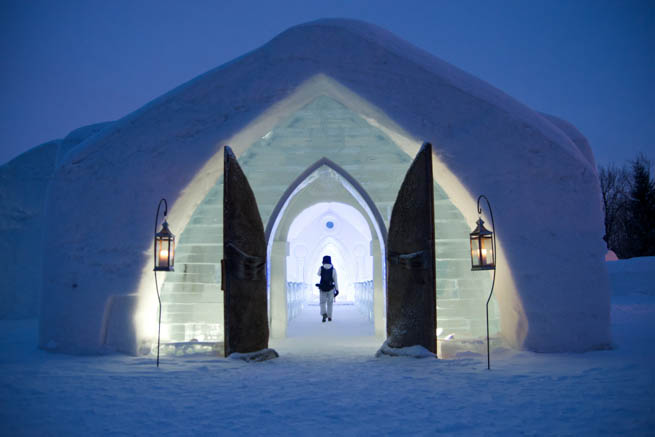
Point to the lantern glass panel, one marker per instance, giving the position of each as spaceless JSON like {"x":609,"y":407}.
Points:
{"x":475,"y":251}
{"x":487,"y":250}
{"x":162,"y":253}
{"x":171,"y":253}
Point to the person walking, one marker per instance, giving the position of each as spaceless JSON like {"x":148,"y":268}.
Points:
{"x":328,"y":287}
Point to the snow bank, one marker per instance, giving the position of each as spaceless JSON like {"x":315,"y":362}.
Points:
{"x":632,"y":276}
{"x":416,"y":351}
{"x":257,"y":356}
{"x":552,"y":285}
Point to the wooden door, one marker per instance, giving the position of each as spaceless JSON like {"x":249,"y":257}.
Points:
{"x":411,"y":274}
{"x":244,"y":264}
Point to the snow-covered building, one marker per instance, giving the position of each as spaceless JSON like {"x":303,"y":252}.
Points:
{"x":325,"y":120}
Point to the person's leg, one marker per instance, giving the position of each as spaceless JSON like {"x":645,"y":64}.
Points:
{"x":330,"y":302}
{"x":323,"y":300}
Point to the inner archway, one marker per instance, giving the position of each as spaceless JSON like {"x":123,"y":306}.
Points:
{"x":325,"y":212}
{"x":340,"y":231}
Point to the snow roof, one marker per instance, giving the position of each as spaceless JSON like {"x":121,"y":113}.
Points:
{"x":332,"y":47}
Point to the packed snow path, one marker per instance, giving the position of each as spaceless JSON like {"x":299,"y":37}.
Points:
{"x":348,"y":334}
{"x":335,"y":386}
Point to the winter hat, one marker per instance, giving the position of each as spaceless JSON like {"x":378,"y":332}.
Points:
{"x":327,"y":259}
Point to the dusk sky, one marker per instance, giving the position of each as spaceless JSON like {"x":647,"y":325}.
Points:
{"x":66,"y":64}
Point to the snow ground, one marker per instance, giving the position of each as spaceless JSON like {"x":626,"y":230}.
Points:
{"x":327,"y":382}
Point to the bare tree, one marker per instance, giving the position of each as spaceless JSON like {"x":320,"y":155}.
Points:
{"x":615,"y":185}
{"x":629,"y":205}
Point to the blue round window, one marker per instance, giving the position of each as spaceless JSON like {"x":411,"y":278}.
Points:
{"x":329,"y":224}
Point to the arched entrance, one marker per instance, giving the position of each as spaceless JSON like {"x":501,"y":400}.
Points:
{"x":325,"y":211}
{"x":192,"y":301}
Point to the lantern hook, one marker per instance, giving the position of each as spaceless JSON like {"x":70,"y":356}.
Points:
{"x":493,"y":281}
{"x":163,"y":200}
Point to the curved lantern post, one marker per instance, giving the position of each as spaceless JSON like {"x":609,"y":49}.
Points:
{"x":483,"y":255}
{"x":164,"y":254}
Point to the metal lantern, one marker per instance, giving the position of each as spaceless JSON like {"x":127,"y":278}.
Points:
{"x":164,"y":249}
{"x":164,"y":257}
{"x":483,"y":257}
{"x":482,"y":248}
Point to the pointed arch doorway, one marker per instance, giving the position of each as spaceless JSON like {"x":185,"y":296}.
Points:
{"x":325,"y":210}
